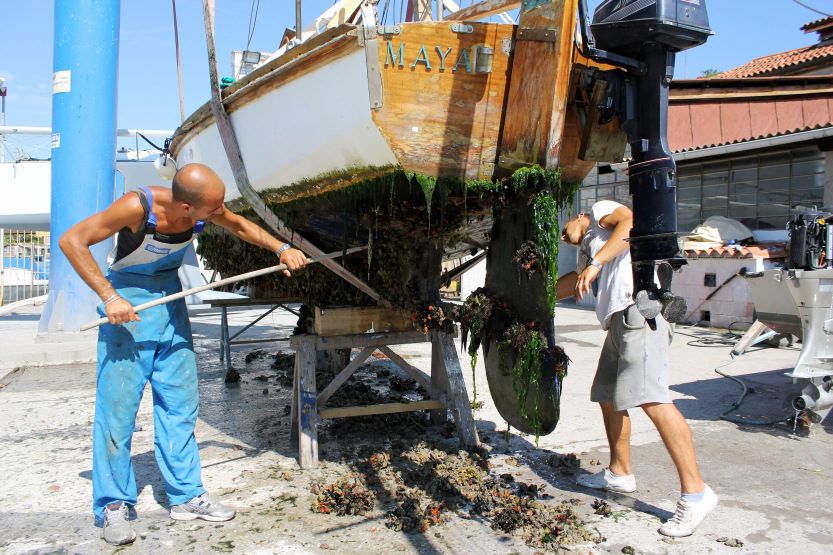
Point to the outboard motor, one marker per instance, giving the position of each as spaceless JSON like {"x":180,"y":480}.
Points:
{"x":811,"y":241}
{"x":642,"y":37}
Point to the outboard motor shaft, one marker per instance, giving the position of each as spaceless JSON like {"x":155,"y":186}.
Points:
{"x":642,"y":37}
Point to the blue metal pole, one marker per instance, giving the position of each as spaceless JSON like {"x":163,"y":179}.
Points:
{"x":85,"y":62}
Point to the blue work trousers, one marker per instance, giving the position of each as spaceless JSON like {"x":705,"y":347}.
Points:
{"x":159,"y":349}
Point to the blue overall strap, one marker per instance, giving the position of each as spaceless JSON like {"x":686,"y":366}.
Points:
{"x":151,"y":223}
{"x":198,"y":227}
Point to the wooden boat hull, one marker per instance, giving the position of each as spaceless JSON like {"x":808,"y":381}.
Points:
{"x":412,"y":100}
{"x":406,"y":138}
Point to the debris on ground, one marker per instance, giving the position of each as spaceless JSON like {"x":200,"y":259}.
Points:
{"x":730,"y":542}
{"x":255,"y":355}
{"x":413,"y":475}
{"x":401,"y":384}
{"x":345,"y":496}
{"x":628,"y":550}
{"x":421,"y":480}
{"x":411,"y":516}
{"x":564,"y":464}
{"x":601,"y":507}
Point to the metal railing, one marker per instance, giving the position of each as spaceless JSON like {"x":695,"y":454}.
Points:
{"x":24,"y":272}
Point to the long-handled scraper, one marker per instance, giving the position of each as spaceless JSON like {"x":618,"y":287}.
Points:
{"x":226,"y":281}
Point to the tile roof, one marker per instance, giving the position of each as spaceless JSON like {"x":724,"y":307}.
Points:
{"x":817,"y":24}
{"x":760,"y":250}
{"x":790,"y":60}
{"x":716,"y":112}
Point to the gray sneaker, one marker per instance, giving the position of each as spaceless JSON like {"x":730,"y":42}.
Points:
{"x":202,"y":507}
{"x":117,"y":529}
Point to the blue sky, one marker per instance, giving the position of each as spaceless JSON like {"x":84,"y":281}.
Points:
{"x":148,"y":98}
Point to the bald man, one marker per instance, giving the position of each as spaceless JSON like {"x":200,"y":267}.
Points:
{"x":155,"y":225}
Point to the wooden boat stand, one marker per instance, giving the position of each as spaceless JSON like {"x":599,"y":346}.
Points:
{"x":445,"y":385}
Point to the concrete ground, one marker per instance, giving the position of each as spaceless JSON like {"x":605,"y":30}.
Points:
{"x":774,"y":486}
{"x":21,"y":345}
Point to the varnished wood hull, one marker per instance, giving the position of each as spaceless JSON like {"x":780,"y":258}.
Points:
{"x":388,"y":114}
{"x":343,"y":101}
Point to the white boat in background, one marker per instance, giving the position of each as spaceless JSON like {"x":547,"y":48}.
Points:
{"x":25,"y":198}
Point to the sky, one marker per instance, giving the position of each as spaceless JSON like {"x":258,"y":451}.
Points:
{"x":147,"y":88}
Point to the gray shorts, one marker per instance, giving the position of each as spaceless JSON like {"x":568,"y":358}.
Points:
{"x":633,"y":366}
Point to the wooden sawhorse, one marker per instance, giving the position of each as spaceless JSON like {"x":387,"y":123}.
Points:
{"x":445,"y":385}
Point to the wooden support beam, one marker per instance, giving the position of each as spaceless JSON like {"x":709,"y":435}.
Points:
{"x":484,"y":9}
{"x":386,"y":408}
{"x":359,"y":319}
{"x":414,"y":372}
{"x":344,"y":375}
{"x":293,"y":415}
{"x":439,"y":379}
{"x":307,"y":405}
{"x":454,"y":273}
{"x":364,"y":340}
{"x":457,"y":395}
{"x":241,"y":177}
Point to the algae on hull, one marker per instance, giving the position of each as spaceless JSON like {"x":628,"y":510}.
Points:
{"x":390,"y":212}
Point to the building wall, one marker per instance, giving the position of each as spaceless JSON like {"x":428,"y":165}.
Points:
{"x":731,"y":305}
{"x":759,"y":189}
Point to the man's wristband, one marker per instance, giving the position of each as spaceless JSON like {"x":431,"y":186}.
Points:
{"x":596,"y":263}
{"x":111,"y":298}
{"x":284,"y":247}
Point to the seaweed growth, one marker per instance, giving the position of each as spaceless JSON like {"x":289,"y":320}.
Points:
{"x":473,"y":317}
{"x":530,"y":353}
{"x":392,"y":212}
{"x":526,"y":212}
{"x":547,"y":234}
{"x":527,"y":258}
{"x":387,"y":209}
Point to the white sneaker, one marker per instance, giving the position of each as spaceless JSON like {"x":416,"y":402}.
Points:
{"x":609,"y":481}
{"x":688,"y":515}
{"x":202,"y":507}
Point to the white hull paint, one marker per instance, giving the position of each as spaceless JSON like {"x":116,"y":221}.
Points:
{"x":317,"y":123}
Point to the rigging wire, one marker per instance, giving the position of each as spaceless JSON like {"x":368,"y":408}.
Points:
{"x":178,"y":66}
{"x":812,"y":9}
{"x":384,"y":18}
{"x":255,"y":9}
{"x":252,"y":21}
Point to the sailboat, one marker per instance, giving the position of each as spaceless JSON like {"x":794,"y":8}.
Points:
{"x":425,"y":138}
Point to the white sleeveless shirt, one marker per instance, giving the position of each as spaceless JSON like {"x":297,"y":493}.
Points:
{"x":615,"y":278}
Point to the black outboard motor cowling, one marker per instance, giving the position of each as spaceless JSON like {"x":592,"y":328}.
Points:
{"x":624,"y":26}
{"x":646,"y":34}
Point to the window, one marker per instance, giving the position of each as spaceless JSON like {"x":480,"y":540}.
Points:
{"x":760,"y":190}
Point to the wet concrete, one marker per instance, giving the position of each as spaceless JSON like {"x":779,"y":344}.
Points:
{"x":774,"y":485}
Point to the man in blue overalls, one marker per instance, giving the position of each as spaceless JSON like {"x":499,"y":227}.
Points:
{"x":155,"y":225}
